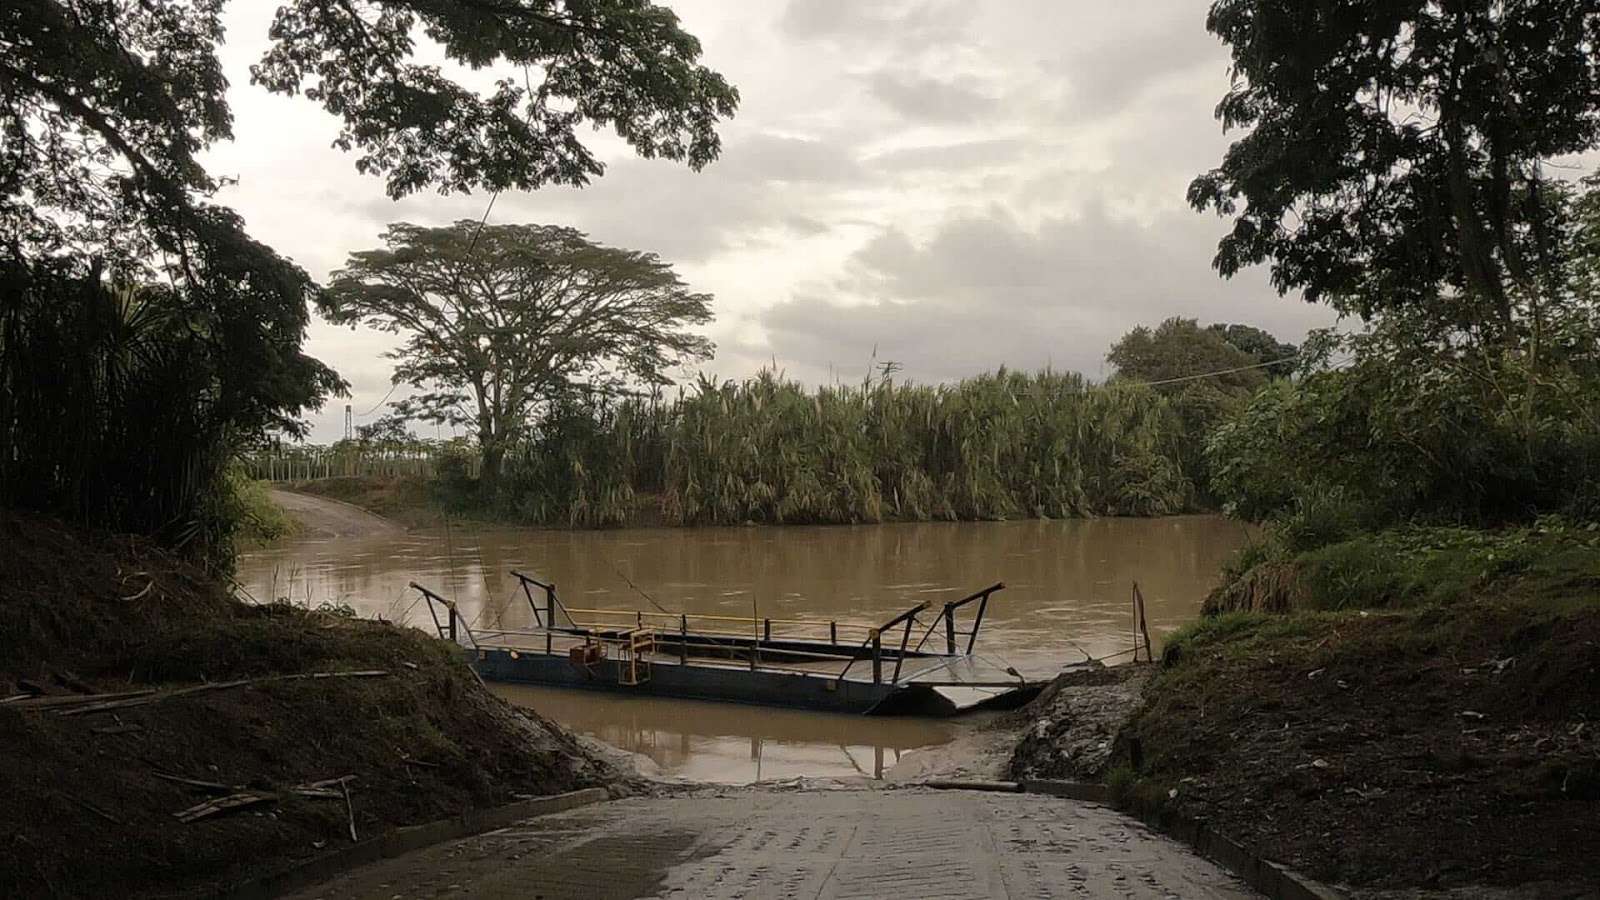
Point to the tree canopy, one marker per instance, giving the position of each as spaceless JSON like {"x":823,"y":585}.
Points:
{"x":105,"y":105}
{"x":106,"y":109}
{"x":499,"y":319}
{"x":626,"y":64}
{"x":1396,"y":150}
{"x":1179,"y":349}
{"x":1277,"y":356}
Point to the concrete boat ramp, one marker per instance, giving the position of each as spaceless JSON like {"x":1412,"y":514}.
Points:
{"x":805,"y":844}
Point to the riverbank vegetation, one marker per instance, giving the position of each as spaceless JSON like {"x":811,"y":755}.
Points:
{"x":769,"y":450}
{"x":145,"y":338}
{"x":257,"y":520}
{"x":772,"y":451}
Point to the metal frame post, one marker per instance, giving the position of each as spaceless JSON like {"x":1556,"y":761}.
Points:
{"x":550,"y":619}
{"x":877,"y":657}
{"x":977,"y":622}
{"x":537,"y":618}
{"x":900,"y":659}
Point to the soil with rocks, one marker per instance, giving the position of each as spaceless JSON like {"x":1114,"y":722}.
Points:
{"x":1069,"y":731}
{"x":89,"y":796}
{"x":1451,"y":752}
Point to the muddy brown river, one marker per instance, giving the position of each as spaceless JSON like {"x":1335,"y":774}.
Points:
{"x":1068,"y":594}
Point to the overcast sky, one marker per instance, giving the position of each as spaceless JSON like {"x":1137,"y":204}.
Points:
{"x":960,"y":184}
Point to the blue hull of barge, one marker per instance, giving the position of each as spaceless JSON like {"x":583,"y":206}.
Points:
{"x":719,"y":683}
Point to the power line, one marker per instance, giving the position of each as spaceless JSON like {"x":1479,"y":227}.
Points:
{"x":1276,"y":362}
{"x":473,"y":246}
{"x":1139,"y":382}
{"x":392,"y":388}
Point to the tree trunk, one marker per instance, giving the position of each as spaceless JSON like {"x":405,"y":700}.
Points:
{"x":494,"y":455}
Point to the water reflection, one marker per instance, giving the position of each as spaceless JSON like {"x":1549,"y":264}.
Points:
{"x":729,"y":743}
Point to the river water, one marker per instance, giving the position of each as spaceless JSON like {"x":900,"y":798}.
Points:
{"x":1068,"y":594}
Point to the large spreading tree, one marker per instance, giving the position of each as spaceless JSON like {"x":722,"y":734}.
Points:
{"x":500,"y":320}
{"x":106,"y":107}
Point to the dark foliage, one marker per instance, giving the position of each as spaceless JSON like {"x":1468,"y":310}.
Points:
{"x":1395,"y":153}
{"x":121,"y":402}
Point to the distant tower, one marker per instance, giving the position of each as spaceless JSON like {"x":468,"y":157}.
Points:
{"x":349,"y":424}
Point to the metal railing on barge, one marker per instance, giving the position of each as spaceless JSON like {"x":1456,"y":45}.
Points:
{"x":794,"y":645}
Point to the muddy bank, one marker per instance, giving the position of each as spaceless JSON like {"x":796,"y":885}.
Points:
{"x":90,"y":797}
{"x":978,"y":752}
{"x":327,"y":517}
{"x":1448,"y":753}
{"x":1449,"y":749}
{"x":409,"y":501}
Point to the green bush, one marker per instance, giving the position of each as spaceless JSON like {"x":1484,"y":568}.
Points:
{"x":1407,"y":435}
{"x":257,"y":520}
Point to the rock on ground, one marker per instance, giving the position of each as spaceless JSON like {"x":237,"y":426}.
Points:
{"x":1068,"y":732}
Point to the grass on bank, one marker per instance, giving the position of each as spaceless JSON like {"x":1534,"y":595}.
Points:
{"x":1407,"y":568}
{"x":258,"y":521}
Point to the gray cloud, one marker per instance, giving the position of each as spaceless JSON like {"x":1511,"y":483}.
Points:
{"x":922,"y":98}
{"x":904,"y":23}
{"x":763,"y":181}
{"x":1168,"y":44}
{"x":769,"y":158}
{"x":963,"y":155}
{"x":984,"y":291}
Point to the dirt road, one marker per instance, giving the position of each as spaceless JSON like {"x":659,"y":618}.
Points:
{"x":811,"y":844}
{"x":323,"y":517}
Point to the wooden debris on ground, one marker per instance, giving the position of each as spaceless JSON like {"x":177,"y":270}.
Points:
{"x":241,"y":799}
{"x":92,"y":808}
{"x":79,"y":705}
{"x":73,"y":683}
{"x":328,"y":788}
{"x":195,"y":782}
{"x":62,"y":701}
{"x":223,"y":804}
{"x":349,"y":810}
